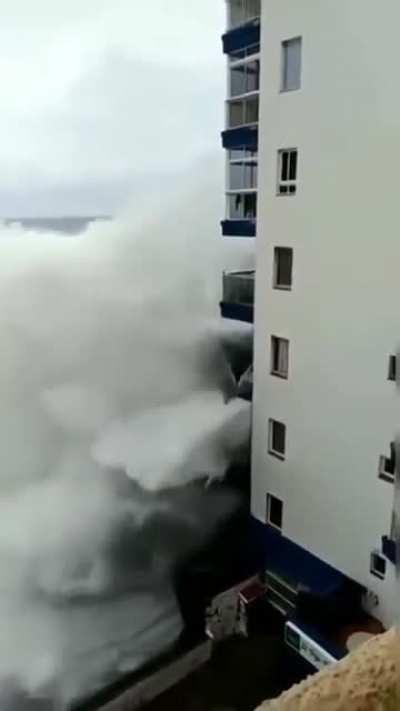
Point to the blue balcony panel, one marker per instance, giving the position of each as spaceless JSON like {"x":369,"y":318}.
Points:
{"x":237,"y":312}
{"x":241,"y":137}
{"x":238,"y":228}
{"x":241,"y":37}
{"x":389,"y":549}
{"x":292,"y":562}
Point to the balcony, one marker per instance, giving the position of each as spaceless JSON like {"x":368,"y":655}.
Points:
{"x":241,"y":137}
{"x":242,"y":120}
{"x":241,"y":41}
{"x":239,"y":228}
{"x":242,"y":214}
{"x":238,"y":296}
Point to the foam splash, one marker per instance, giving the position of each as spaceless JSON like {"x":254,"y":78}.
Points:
{"x":113,"y":395}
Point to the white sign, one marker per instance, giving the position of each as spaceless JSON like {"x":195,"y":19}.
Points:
{"x":307,"y":647}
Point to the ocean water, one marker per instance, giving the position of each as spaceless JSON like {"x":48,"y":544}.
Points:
{"x":73,"y":225}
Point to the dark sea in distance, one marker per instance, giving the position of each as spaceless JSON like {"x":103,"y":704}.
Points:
{"x":65,"y":225}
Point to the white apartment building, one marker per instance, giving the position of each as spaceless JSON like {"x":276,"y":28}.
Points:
{"x":315,"y":177}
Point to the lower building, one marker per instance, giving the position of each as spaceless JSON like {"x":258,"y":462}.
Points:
{"x":311,"y":127}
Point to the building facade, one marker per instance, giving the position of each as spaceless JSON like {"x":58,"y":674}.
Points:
{"x":313,"y":176}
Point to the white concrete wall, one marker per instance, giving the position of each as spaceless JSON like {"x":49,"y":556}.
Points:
{"x":343,"y":314}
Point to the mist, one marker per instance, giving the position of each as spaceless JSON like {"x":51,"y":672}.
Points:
{"x":117,"y":405}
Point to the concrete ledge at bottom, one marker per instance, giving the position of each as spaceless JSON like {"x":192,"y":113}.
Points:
{"x":161,"y":680}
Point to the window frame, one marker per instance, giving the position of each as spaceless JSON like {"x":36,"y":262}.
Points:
{"x":392,"y":368}
{"x":244,"y":101}
{"x":287,"y":182}
{"x":273,"y":452}
{"x":277,"y":342}
{"x":269,"y":499}
{"x":284,"y":64}
{"x":242,"y":194}
{"x":242,"y":12}
{"x":275,"y":283}
{"x":250,"y":59}
{"x":384,"y":472}
{"x":244,"y":162}
{"x":372,"y":566}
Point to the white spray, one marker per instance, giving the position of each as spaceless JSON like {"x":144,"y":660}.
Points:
{"x":111,"y":382}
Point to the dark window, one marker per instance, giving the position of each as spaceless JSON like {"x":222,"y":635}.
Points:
{"x":279,"y":356}
{"x":285,"y":163}
{"x":378,"y":565}
{"x":253,"y":76}
{"x":243,"y":175}
{"x":287,"y":171}
{"x":283,"y":267}
{"x":277,"y":438}
{"x":241,"y":11}
{"x":250,"y":205}
{"x":251,"y":113}
{"x":291,"y":64}
{"x":392,"y":368}
{"x":236,"y":115}
{"x":293,"y":165}
{"x":387,"y":465}
{"x":245,"y":77}
{"x":238,"y":80}
{"x":274,"y":511}
{"x":242,"y":206}
{"x":242,"y":112}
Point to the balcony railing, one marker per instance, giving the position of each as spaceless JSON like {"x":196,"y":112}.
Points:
{"x":238,"y":295}
{"x":242,"y":137}
{"x":243,"y":41}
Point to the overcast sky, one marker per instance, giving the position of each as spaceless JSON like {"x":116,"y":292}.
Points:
{"x":102,"y":98}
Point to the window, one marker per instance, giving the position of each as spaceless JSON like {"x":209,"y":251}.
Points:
{"x":241,"y":11}
{"x":274,"y":511}
{"x":235,"y":13}
{"x":242,"y":206}
{"x":378,"y":565}
{"x":245,"y":78}
{"x":279,"y":356}
{"x":287,"y":171}
{"x":242,"y":170}
{"x":241,"y":154}
{"x":238,"y":287}
{"x":277,"y":439}
{"x":283,"y":267}
{"x":243,"y":112}
{"x":387,"y":465}
{"x":291,"y":64}
{"x":392,"y":368}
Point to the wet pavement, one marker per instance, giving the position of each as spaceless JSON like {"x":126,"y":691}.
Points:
{"x":241,"y":674}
